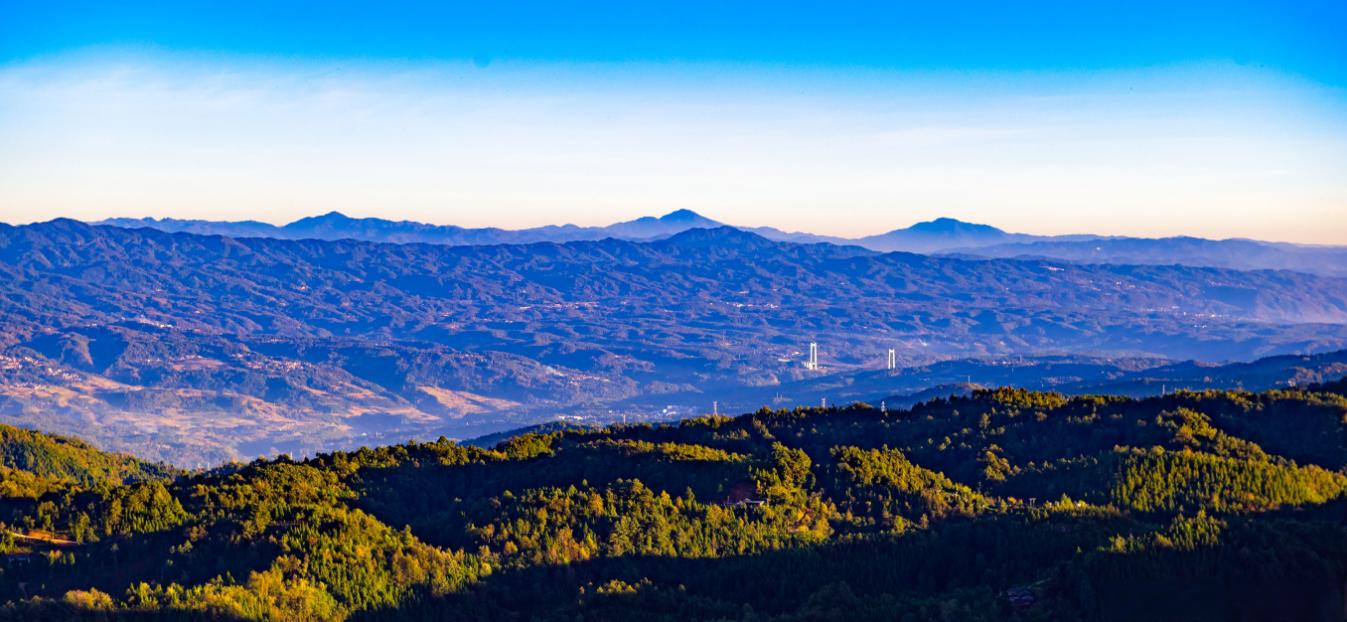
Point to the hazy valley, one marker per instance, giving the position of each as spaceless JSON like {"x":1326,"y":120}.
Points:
{"x":202,"y":348}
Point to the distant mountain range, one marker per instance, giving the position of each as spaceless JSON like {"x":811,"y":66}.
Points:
{"x":198,"y":348}
{"x":1235,"y":253}
{"x":939,"y":236}
{"x":337,"y":226}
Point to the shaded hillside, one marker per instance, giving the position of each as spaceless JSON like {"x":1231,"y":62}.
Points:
{"x":1002,"y":505}
{"x":1287,"y":371}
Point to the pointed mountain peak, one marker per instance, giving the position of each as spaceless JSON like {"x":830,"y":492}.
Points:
{"x":323,"y":225}
{"x":332,"y":216}
{"x":952,"y":226}
{"x":685,"y":216}
{"x":668,"y":224}
{"x":936,"y":235}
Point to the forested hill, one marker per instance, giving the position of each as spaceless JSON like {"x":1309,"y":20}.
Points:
{"x":1003,"y":505}
{"x":60,"y":458}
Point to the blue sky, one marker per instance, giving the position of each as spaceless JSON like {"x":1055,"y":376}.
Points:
{"x":1302,"y":38}
{"x":1217,"y":119}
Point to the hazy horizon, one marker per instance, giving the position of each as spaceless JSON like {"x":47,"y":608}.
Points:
{"x":1051,"y":120}
{"x":636,"y":216}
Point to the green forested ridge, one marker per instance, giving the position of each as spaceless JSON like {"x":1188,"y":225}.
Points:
{"x":61,"y":458}
{"x":1005,"y":504}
